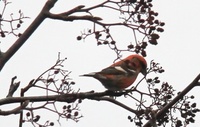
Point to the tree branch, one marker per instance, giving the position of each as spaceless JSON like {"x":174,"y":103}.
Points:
{"x":69,"y":98}
{"x":13,"y":87}
{"x":109,"y":99}
{"x":72,"y":18}
{"x":73,"y":10}
{"x":15,"y":110}
{"x":194,"y":83}
{"x":27,"y":33}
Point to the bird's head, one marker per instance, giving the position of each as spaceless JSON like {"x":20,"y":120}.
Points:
{"x":137,"y":63}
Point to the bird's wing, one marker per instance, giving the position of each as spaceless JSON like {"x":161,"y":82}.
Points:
{"x":117,"y":70}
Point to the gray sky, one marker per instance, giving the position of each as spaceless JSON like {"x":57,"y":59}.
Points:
{"x":177,"y":51}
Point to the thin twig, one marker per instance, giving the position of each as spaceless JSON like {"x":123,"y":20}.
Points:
{"x":109,"y":99}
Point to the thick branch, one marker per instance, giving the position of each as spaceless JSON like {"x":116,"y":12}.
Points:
{"x":194,"y":83}
{"x":69,"y":98}
{"x":15,"y":110}
{"x":27,"y":33}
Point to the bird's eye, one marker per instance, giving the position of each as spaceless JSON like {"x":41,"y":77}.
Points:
{"x":133,"y":64}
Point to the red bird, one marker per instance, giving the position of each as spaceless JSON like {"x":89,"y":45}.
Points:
{"x":121,"y":74}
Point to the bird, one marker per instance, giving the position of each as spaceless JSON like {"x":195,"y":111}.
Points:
{"x":121,"y":74}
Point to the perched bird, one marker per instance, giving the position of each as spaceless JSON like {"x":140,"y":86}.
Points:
{"x":121,"y":74}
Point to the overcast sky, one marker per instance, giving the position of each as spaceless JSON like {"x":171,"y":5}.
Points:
{"x":178,"y":52}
